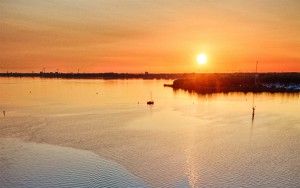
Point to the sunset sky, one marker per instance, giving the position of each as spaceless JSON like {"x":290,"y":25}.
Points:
{"x":155,"y":36}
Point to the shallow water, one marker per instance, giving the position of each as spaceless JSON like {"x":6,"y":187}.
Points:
{"x":43,"y":165}
{"x":184,"y":140}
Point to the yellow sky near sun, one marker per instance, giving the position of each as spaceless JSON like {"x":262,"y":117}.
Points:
{"x":154,"y":36}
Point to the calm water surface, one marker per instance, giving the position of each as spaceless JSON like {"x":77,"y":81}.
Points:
{"x":91,"y":133}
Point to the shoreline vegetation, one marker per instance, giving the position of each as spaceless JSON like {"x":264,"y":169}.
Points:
{"x":108,"y":75}
{"x":195,"y":82}
{"x":240,"y":82}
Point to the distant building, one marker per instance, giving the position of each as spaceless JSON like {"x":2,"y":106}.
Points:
{"x":146,"y":73}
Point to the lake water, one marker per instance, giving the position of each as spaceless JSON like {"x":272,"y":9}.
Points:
{"x":101,"y":133}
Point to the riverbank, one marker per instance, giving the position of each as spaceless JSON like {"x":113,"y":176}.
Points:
{"x":240,"y":82}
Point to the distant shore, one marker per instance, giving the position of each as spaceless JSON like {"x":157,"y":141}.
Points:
{"x":196,"y":82}
{"x":109,"y":75}
{"x":240,"y":82}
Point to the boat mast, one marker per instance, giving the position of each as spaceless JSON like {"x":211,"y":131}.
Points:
{"x":255,"y":82}
{"x":256,"y":73}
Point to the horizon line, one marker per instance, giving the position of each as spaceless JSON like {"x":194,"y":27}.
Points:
{"x":146,"y":72}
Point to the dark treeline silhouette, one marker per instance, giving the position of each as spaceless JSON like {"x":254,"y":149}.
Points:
{"x":198,"y":82}
{"x":240,"y":82}
{"x":109,"y":75}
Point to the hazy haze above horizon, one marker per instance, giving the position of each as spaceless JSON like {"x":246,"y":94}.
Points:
{"x":155,"y":36}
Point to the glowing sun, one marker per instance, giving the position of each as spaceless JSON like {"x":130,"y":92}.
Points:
{"x":201,"y":59}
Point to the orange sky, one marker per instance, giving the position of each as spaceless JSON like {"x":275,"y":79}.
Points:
{"x":154,"y":36}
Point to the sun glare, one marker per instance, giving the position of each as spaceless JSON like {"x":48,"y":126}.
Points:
{"x":201,"y":59}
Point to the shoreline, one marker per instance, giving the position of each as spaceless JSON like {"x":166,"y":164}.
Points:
{"x":109,"y":75}
{"x":203,"y":83}
{"x":225,"y":83}
{"x":146,"y":75}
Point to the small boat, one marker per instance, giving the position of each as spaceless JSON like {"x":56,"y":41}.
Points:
{"x":151,"y":102}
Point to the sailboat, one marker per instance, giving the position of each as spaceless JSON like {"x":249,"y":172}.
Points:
{"x":151,"y":102}
{"x":255,"y":85}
